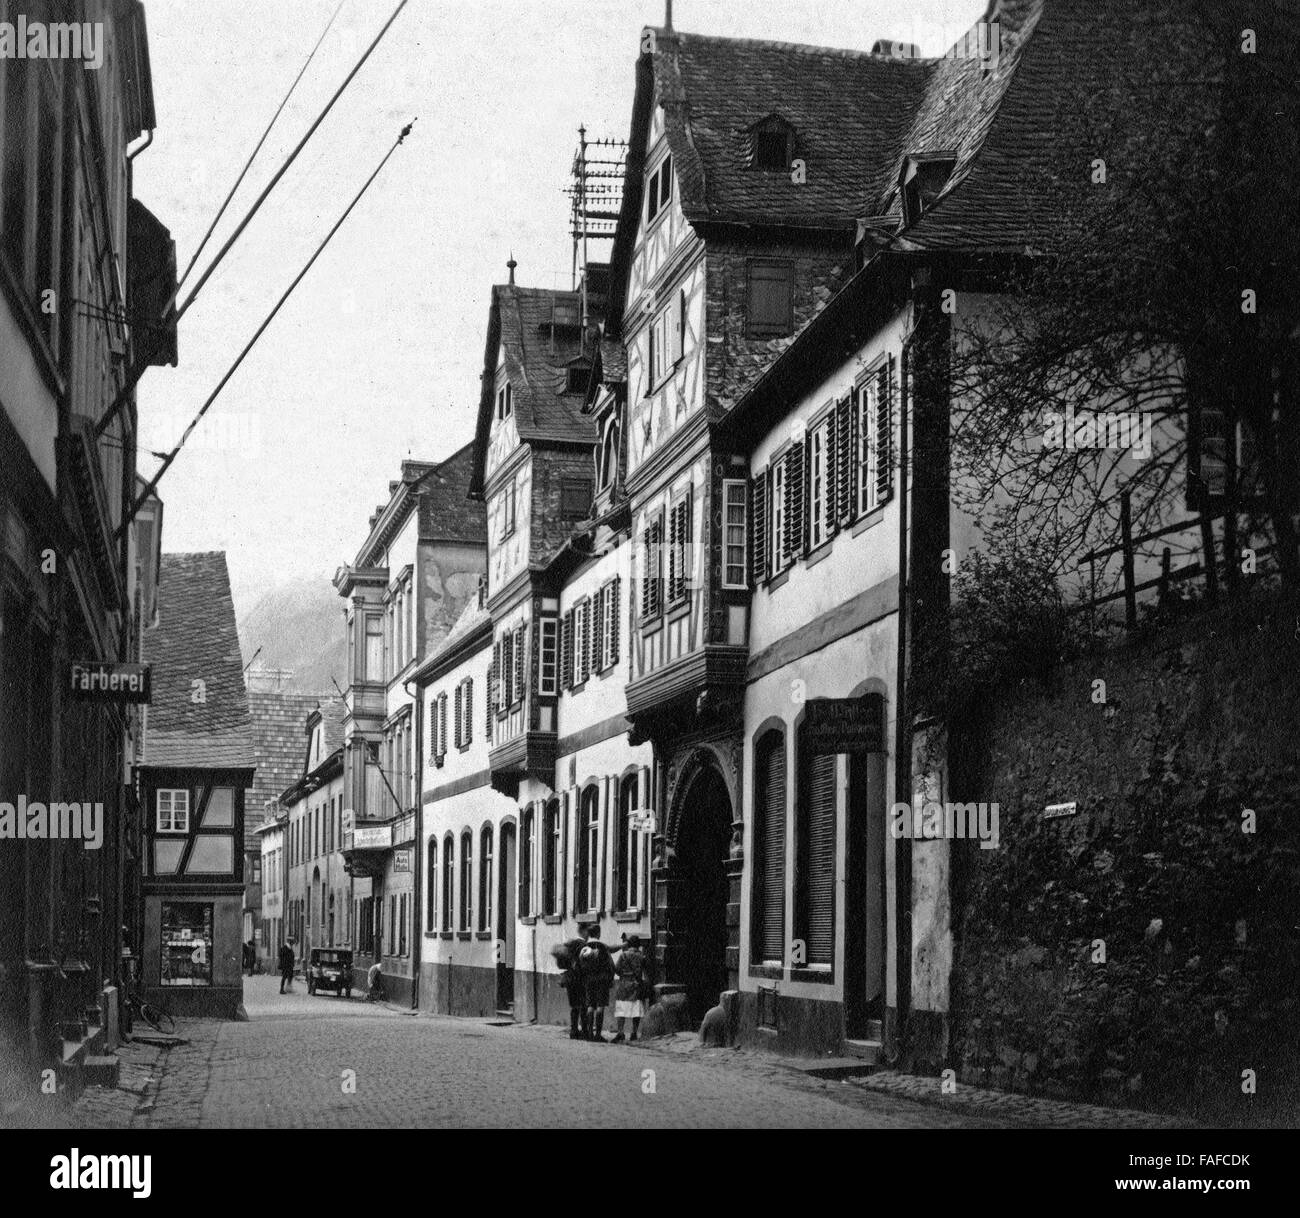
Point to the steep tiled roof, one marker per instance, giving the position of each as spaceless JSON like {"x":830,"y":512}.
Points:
{"x":279,"y":741}
{"x":537,"y":357}
{"x":1026,"y":146}
{"x":196,"y":640}
{"x":848,"y":109}
{"x":445,"y":512}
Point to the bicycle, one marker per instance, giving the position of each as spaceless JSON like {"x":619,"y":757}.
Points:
{"x":154,"y":1016}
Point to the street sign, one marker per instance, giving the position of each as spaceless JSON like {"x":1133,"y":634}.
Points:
{"x":401,"y":860}
{"x":641,"y":821}
{"x":372,"y":837}
{"x":842,"y":725}
{"x":1052,"y":811}
{"x":97,"y":681}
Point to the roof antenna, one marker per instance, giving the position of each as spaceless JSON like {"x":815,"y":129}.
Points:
{"x":511,"y":265}
{"x":668,"y":14}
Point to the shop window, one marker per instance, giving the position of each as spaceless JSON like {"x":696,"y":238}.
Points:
{"x":186,"y":944}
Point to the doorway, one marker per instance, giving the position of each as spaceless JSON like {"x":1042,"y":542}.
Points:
{"x":864,"y":888}
{"x":702,"y":844}
{"x":507,"y":894}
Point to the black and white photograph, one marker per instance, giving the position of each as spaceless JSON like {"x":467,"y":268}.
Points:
{"x":613,"y":566}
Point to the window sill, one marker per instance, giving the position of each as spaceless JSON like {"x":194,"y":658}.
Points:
{"x":464,"y":935}
{"x":777,"y":580}
{"x":869,"y":521}
{"x":528,"y":919}
{"x":553,"y":919}
{"x":820,"y":976}
{"x":484,"y":935}
{"x":679,"y":610}
{"x":446,"y":934}
{"x":628,"y":915}
{"x":651,"y":626}
{"x":430,"y":934}
{"x":767,"y":972}
{"x":822,"y":551}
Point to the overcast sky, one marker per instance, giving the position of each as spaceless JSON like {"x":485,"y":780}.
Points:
{"x":376,"y":357}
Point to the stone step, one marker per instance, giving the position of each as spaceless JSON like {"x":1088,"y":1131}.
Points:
{"x":830,"y":1067}
{"x":867,"y":1049}
{"x":102,"y":1071}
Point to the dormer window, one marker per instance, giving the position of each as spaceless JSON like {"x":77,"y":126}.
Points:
{"x":576,"y":377}
{"x":922,"y":181}
{"x":659,"y":189}
{"x":772,"y":145}
{"x":505,"y":402}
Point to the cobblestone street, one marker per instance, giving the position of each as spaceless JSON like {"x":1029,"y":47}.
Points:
{"x":303,"y":1062}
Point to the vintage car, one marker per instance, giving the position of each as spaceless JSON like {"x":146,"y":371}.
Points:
{"x":330,"y":968}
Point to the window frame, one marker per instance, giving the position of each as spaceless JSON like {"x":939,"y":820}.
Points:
{"x":821,"y":430}
{"x":172,"y":827}
{"x":730,"y":487}
{"x":548,"y":668}
{"x":659,"y":191}
{"x":509,"y":511}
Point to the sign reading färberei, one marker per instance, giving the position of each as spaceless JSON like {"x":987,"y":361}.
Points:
{"x":99,"y":681}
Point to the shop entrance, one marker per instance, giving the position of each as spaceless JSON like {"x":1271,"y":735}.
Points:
{"x":507,"y":894}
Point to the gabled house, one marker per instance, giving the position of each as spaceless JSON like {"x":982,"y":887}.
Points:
{"x":747,"y":170}
{"x":421,"y":563}
{"x":198,"y":762}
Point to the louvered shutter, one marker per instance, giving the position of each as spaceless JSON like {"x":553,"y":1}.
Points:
{"x":442,"y":725}
{"x":585,"y":641}
{"x":674,"y":519}
{"x":520,"y":681}
{"x":645,"y":574}
{"x":566,"y":651}
{"x":758,"y":526}
{"x":612,"y":615}
{"x":792,"y":543}
{"x":687,"y":539}
{"x":494,"y":676}
{"x":846,"y":433}
{"x":507,"y":672}
{"x":830,"y":472}
{"x":885,"y":435}
{"x":773,"y":847}
{"x":468,"y":719}
{"x":598,"y":631}
{"x":819,"y":879}
{"x":460,"y":714}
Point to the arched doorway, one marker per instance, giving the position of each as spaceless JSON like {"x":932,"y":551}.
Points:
{"x":699,"y":924}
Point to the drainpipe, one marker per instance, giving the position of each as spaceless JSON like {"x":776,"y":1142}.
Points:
{"x":417,"y":869}
{"x":902,"y":736}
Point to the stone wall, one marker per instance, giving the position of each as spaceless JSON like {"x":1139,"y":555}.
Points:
{"x":1145,"y":950}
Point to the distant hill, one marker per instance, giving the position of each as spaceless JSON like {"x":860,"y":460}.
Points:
{"x":299,"y":627}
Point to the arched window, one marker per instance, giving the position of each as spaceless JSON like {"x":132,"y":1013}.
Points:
{"x":814,"y":874}
{"x":431,"y":883}
{"x":628,"y":887}
{"x":767,"y":897}
{"x":609,"y":455}
{"x":448,"y":881}
{"x":485,"y":879}
{"x":466,"y":881}
{"x":526,"y":834}
{"x":551,"y":823}
{"x":587,"y":877}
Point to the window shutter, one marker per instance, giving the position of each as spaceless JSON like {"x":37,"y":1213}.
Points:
{"x":612,"y":619}
{"x":773,"y":846}
{"x":673,"y":538}
{"x":507,"y":673}
{"x":566,"y":651}
{"x":585,"y":641}
{"x":442,"y":725}
{"x":687,"y":538}
{"x":598,"y":631}
{"x":460,"y":713}
{"x":645,"y":573}
{"x":885,"y":435}
{"x":679,"y":326}
{"x":819,"y":880}
{"x":846,"y":423}
{"x":520,"y":682}
{"x":758,"y":526}
{"x":468,"y":716}
{"x":792,"y":543}
{"x":494,"y":672}
{"x":830,"y":474}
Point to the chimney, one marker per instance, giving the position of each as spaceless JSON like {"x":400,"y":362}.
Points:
{"x":511,"y":267}
{"x":668,"y":14}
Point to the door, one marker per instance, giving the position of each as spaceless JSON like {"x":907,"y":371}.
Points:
{"x":864,"y":883}
{"x":703,"y":843}
{"x":507,"y":893}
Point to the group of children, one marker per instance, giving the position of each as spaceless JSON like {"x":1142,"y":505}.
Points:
{"x":588,"y":971}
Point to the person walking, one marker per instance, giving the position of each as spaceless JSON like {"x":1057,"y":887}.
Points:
{"x":630,"y":988}
{"x":250,"y":956}
{"x":286,"y":965}
{"x":596,"y":969}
